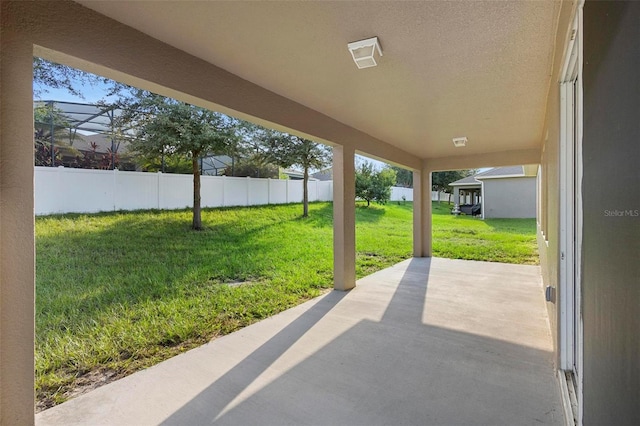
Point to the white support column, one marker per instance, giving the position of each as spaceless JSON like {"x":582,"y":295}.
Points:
{"x":344,"y":218}
{"x":422,"y":213}
{"x":17,"y":253}
{"x":418,"y":195}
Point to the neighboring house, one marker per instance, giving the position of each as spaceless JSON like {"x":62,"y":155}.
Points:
{"x":551,"y":82}
{"x":324,"y":175}
{"x":504,"y":192}
{"x":466,"y":191}
{"x":296,"y":174}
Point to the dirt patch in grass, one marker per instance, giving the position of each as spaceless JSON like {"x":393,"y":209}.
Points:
{"x":83,"y":384}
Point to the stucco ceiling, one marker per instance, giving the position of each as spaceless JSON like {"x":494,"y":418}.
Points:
{"x":475,"y":69}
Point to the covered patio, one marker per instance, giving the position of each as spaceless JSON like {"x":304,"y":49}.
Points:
{"x":427,"y":341}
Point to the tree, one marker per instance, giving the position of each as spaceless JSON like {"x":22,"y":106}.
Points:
{"x":253,"y":166}
{"x":373,"y":185}
{"x":177,"y":129}
{"x":163,"y":163}
{"x":440,"y":180}
{"x":288,"y":150}
{"x":252,"y":154}
{"x":404,"y":177}
{"x":51,"y":75}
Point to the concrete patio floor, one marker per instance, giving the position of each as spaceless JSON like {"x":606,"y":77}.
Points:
{"x":427,"y":342}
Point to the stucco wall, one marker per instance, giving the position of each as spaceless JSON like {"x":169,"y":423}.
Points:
{"x":509,"y":197}
{"x":548,"y":222}
{"x":16,"y":227}
{"x":611,"y":205}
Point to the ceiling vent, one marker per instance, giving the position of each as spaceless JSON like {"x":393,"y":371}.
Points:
{"x":460,"y":142}
{"x":364,"y":52}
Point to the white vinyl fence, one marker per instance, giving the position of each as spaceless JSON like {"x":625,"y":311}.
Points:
{"x":397,"y":193}
{"x":64,"y":190}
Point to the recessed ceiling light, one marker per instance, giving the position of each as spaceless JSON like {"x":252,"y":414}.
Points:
{"x":364,"y":52}
{"x":460,"y":142}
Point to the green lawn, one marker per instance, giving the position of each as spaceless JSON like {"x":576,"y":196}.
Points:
{"x":494,"y":240}
{"x":117,"y":292}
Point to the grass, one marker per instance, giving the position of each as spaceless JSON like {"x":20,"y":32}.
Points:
{"x":118,"y":292}
{"x":494,"y":240}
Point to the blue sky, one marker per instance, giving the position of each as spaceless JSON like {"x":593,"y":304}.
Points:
{"x":91,"y":94}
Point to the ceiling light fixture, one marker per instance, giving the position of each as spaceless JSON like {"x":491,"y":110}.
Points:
{"x":364,"y":52}
{"x":460,"y":142}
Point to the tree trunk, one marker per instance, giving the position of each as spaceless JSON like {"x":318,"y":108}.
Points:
{"x":197,"y":220}
{"x":305,"y":193}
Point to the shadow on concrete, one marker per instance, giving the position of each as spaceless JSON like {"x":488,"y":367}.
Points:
{"x":394,"y":371}
{"x":209,"y":403}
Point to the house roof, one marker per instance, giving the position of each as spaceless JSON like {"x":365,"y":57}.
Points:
{"x":495,"y":173}
{"x":326,"y":174}
{"x":296,"y":174}
{"x":501,"y":172}
{"x":469,"y":180}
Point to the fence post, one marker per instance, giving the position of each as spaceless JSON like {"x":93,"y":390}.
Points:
{"x":159,"y":187}
{"x":268,"y":191}
{"x":115,"y":189}
{"x":286,"y":194}
{"x":224,"y":192}
{"x":248,"y":189}
{"x":59,"y":207}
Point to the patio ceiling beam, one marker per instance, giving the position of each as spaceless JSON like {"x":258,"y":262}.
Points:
{"x":491,"y":159}
{"x":98,"y":44}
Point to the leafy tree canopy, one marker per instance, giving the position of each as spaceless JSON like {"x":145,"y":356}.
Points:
{"x":254,"y":167}
{"x":179,"y":130}
{"x":288,"y":150}
{"x":404,"y":177}
{"x":373,"y":185}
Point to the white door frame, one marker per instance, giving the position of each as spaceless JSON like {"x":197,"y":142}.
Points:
{"x":571,"y":116}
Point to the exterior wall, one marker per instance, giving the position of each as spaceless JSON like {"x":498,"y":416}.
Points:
{"x":611,"y":206}
{"x":17,"y":272}
{"x":509,"y":198}
{"x":548,"y":220}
